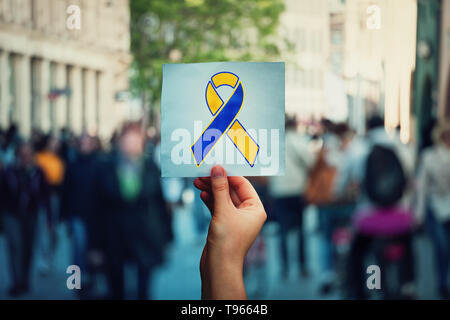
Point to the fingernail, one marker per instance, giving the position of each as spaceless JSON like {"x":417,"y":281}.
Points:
{"x":217,"y":172}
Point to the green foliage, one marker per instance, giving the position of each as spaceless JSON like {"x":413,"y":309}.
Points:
{"x":164,"y":31}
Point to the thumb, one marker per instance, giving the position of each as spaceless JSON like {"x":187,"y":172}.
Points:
{"x":219,"y":186}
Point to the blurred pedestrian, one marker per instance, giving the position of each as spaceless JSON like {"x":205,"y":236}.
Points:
{"x":77,"y":203}
{"x":51,"y":163}
{"x":383,"y":215}
{"x":200,"y":215}
{"x":333,"y":211}
{"x":36,"y":138}
{"x":49,"y":160}
{"x":131,"y":212}
{"x":7,"y":148}
{"x":433,"y":205}
{"x":287,"y":194}
{"x":68,"y":146}
{"x":2,"y":144}
{"x":23,"y":191}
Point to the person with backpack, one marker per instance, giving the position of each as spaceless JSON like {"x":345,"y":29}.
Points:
{"x":382,"y":172}
{"x":433,"y":201}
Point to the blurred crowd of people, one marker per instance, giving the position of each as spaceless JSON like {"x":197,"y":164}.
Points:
{"x":373,"y":195}
{"x":110,"y":200}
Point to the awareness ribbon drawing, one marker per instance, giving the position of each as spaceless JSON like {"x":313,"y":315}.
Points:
{"x":225,"y":120}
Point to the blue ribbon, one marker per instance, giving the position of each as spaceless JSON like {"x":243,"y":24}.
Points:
{"x":218,"y":125}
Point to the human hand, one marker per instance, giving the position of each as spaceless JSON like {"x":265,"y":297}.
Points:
{"x":237,"y":217}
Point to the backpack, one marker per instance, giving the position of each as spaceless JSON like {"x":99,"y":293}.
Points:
{"x":385,"y":179}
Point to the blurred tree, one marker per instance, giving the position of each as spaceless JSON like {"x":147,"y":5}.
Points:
{"x":198,"y":31}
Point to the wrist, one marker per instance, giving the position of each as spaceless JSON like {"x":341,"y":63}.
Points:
{"x":223,"y":281}
{"x":222,"y":270}
{"x":226,"y":257}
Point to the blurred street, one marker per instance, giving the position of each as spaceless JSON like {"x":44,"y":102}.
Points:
{"x":183,"y":259}
{"x":86,"y":136}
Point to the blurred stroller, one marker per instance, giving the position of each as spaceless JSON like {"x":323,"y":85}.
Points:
{"x":384,"y":228}
{"x":387,"y":234}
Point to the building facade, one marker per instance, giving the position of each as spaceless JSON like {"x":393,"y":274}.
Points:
{"x":351,"y":58}
{"x":444,"y":62}
{"x":305,"y":24}
{"x":337,"y":35}
{"x":63,"y":64}
{"x":426,"y":74}
{"x":380,"y":41}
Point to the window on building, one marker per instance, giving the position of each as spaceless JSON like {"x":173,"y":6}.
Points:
{"x":307,"y":78}
{"x":6,"y":11}
{"x":34,"y":13}
{"x":301,"y":74}
{"x":448,"y":37}
{"x":295,"y":76}
{"x":97,"y":100}
{"x":35,"y":99}
{"x":314,"y":7}
{"x":313,"y":78}
{"x":12,"y":89}
{"x":319,"y":41}
{"x":84,"y":98}
{"x":447,"y":98}
{"x":301,"y":39}
{"x":336,"y":37}
{"x":290,"y":74}
{"x":15,"y":11}
{"x":315,"y":41}
{"x":52,"y":86}
{"x":320,"y":79}
{"x":68,"y":100}
{"x":2,"y":11}
{"x":337,"y":61}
